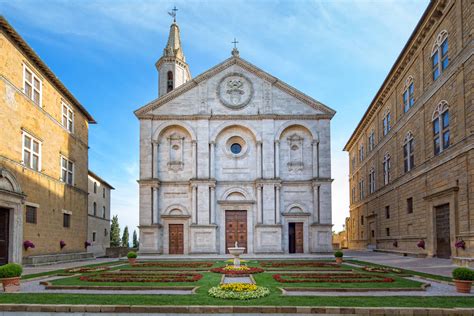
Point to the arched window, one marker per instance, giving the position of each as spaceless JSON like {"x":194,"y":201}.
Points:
{"x":169,"y":82}
{"x":441,"y":127}
{"x":439,"y":54}
{"x":386,"y":169}
{"x":95,"y":209}
{"x":408,"y":153}
{"x":372,"y":180}
{"x":361,"y":153}
{"x":408,"y":94}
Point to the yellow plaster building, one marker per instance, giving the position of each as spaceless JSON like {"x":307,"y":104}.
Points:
{"x":43,"y":159}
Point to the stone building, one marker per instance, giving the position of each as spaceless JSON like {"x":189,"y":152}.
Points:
{"x":43,"y":158}
{"x":233,"y":154}
{"x":411,"y":155}
{"x":98,"y":228}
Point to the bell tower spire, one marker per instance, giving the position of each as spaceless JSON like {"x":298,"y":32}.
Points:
{"x":173,"y":71}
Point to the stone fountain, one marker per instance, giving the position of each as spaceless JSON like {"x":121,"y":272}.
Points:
{"x":236,"y":252}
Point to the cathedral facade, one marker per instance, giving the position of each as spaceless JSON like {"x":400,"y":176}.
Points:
{"x":232,"y":155}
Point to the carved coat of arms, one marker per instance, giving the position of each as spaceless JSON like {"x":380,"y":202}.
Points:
{"x":235,"y":90}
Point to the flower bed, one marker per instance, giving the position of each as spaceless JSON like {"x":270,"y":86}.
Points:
{"x":272,"y":264}
{"x":174,"y":264}
{"x":86,"y":269}
{"x":330,"y":278}
{"x":239,"y":271}
{"x":142,"y":277}
{"x":238,"y":291}
{"x":381,"y":270}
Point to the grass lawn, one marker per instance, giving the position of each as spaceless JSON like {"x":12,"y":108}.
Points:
{"x":55,"y":272}
{"x":208,"y":279}
{"x":404,"y":271}
{"x":266,"y":279}
{"x":263,"y":279}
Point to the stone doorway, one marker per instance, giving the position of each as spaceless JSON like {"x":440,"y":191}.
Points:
{"x":443,"y":245}
{"x":295,"y":238}
{"x":4,"y":234}
{"x":235,"y":229}
{"x":176,"y":239}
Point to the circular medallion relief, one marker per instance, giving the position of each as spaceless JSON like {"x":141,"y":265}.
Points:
{"x":235,"y":90}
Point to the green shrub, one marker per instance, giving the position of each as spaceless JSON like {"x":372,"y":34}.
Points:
{"x":10,"y":270}
{"x":338,"y":254}
{"x":464,"y":274}
{"x":132,"y":255}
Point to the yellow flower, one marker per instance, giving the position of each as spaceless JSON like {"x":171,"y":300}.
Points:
{"x":238,"y":287}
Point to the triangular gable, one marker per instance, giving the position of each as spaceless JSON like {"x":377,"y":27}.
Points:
{"x":234,"y":60}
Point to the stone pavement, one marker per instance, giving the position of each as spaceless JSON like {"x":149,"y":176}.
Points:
{"x":436,"y":266}
{"x":65,"y":265}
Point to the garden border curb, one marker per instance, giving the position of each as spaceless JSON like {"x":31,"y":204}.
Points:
{"x":49,"y":308}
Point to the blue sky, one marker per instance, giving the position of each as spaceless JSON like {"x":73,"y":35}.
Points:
{"x":338,"y":52}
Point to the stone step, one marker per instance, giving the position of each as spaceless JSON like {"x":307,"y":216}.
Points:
{"x":34,"y":261}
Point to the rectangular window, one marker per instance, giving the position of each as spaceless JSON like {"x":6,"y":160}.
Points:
{"x":93,"y":236}
{"x":444,"y":55}
{"x":387,"y":231}
{"x":372,"y":181}
{"x":31,"y":152}
{"x":353,"y":194}
{"x":361,"y":153}
{"x":435,"y":65}
{"x":66,"y":220}
{"x":362,"y":220}
{"x":386,"y":124}
{"x":32,"y":85}
{"x":386,"y":170}
{"x":410,"y":205}
{"x":103,"y":193}
{"x":31,"y":213}
{"x":67,"y":171}
{"x":408,"y":156}
{"x":103,"y":212}
{"x":387,"y":211}
{"x":68,"y":117}
{"x":371,"y":141}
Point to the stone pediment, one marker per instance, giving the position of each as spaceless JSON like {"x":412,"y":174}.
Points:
{"x":234,"y":88}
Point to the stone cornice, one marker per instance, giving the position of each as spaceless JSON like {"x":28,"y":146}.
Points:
{"x":20,"y":43}
{"x":234,"y":60}
{"x":214,"y":182}
{"x":219,"y":117}
{"x":431,"y":15}
{"x":455,"y":65}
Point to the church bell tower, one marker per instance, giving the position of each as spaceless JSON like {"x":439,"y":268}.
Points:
{"x":173,"y":71}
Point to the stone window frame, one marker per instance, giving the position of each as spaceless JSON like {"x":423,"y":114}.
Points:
{"x":67,"y":116}
{"x":386,"y":121}
{"x":361,"y":189}
{"x":386,"y":165}
{"x":387,"y":211}
{"x":361,"y":153}
{"x":408,"y":152}
{"x":353,"y":194}
{"x":28,"y":217}
{"x":372,"y":180}
{"x":408,"y":96}
{"x":371,"y":140}
{"x":30,"y":150}
{"x":67,"y":215}
{"x":438,"y":58}
{"x":94,"y":235}
{"x":68,"y":170}
{"x":437,"y":118}
{"x":31,"y":84}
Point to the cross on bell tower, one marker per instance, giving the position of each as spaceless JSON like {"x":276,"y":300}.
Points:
{"x":173,"y":13}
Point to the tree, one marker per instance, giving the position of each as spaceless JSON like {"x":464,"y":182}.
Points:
{"x":135,"y":239}
{"x":115,"y":232}
{"x":125,"y":237}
